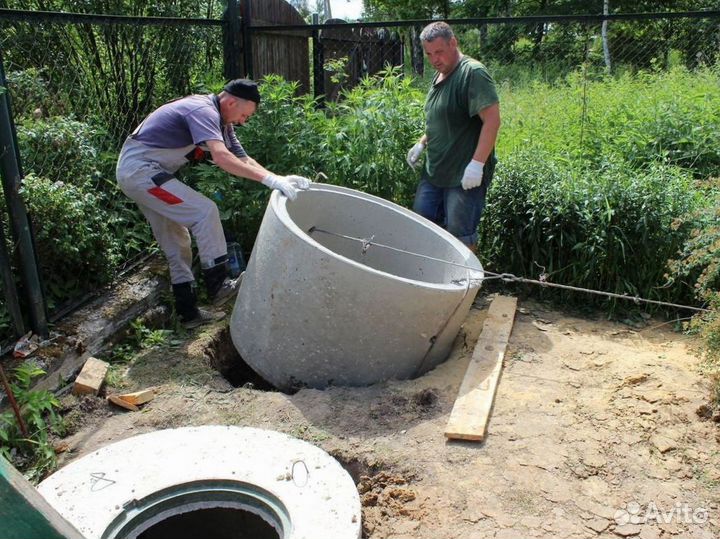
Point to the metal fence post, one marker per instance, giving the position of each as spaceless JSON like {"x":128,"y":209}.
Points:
{"x":11,"y":179}
{"x":246,"y":24}
{"x":12,"y":302}
{"x":232,"y":41}
{"x":318,"y":62}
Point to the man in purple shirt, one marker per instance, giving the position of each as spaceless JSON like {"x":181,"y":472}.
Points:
{"x":175,"y":134}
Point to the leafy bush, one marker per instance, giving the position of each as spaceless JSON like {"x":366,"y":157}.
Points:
{"x":359,"y":142}
{"x":76,"y":252}
{"x":29,"y":92}
{"x":60,"y":149}
{"x":33,"y":454}
{"x":609,"y":229}
{"x":698,"y":264}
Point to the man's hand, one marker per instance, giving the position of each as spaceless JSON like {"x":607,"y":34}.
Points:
{"x":414,"y":154}
{"x":282,"y":184}
{"x":299,"y":181}
{"x":473,"y":175}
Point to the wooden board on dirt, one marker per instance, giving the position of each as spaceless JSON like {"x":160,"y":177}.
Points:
{"x":91,"y":377}
{"x":116,"y":400}
{"x":471,"y":411}
{"x":138,"y":397}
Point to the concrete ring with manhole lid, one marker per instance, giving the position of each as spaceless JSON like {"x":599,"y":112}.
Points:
{"x":345,"y":288}
{"x":213,"y":482}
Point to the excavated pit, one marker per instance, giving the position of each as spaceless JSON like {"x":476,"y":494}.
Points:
{"x":224,"y":358}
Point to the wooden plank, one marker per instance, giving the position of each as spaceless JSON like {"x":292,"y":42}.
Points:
{"x":115,"y":399}
{"x":138,"y":397}
{"x":91,"y":377}
{"x":98,"y":322}
{"x":471,"y":412}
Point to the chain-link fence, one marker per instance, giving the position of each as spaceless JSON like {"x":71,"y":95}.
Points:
{"x":517,"y":50}
{"x":79,"y":84}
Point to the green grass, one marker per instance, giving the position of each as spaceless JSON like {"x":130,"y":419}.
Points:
{"x":670,"y":117}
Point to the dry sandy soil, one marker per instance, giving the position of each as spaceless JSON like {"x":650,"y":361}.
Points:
{"x":594,"y":423}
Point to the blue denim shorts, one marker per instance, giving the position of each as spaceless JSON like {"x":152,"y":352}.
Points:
{"x":456,"y":210}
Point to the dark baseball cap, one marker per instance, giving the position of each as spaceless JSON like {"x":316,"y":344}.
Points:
{"x":244,"y":89}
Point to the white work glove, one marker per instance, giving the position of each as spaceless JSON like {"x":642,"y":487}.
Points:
{"x":299,"y":181}
{"x":282,"y":184}
{"x":473,"y":175}
{"x":414,"y":154}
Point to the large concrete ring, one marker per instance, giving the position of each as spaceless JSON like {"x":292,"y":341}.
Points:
{"x":292,"y":488}
{"x":318,"y":306}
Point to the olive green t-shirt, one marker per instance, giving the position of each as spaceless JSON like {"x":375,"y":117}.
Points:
{"x":452,"y":124}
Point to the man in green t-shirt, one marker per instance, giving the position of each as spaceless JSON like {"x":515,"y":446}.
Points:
{"x":462,"y":119}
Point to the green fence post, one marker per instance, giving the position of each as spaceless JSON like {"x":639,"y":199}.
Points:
{"x":25,"y":514}
{"x":232,"y":41}
{"x":11,"y":180}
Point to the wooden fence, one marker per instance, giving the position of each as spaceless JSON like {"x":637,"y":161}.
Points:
{"x":287,"y":52}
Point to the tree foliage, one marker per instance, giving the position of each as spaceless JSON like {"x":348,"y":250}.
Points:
{"x":116,"y":72}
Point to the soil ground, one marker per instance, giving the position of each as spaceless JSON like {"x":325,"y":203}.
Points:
{"x":594,"y":432}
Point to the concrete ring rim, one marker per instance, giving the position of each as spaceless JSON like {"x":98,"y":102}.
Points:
{"x":139,"y":466}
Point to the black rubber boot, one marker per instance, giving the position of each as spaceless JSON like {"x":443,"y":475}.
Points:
{"x":215,"y":277}
{"x":186,"y":307}
{"x":185,"y":301}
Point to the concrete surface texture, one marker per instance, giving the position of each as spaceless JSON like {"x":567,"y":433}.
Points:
{"x":335,"y":293}
{"x":127,"y":487}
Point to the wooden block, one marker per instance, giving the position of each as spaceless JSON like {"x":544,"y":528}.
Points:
{"x":91,"y":377}
{"x":138,"y":397}
{"x":471,"y":411}
{"x":115,"y":399}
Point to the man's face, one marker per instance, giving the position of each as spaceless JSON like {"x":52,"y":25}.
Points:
{"x":238,"y":111}
{"x":442,"y":53}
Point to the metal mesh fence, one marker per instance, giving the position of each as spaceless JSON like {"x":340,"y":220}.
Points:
{"x":107,"y":77}
{"x":521,"y":50}
{"x":561,"y":51}
{"x":77,"y":88}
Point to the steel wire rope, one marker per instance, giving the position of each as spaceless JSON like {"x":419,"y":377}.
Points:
{"x":505,"y":277}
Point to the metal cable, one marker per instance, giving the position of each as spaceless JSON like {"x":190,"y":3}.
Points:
{"x":507,"y":277}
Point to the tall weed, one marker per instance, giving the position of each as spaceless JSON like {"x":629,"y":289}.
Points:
{"x":672,"y":117}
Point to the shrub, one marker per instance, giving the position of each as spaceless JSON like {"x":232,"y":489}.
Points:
{"x":608,"y":229}
{"x":635,"y":119}
{"x":75,"y":249}
{"x":29,"y":92}
{"x":698,"y":264}
{"x":359,"y":142}
{"x":33,"y":454}
{"x":60,"y":149}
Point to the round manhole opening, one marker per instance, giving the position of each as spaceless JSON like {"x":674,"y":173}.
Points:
{"x":210,"y":509}
{"x":215,"y":523}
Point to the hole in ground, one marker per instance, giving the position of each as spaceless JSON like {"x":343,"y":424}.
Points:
{"x":225,"y":358}
{"x":384,"y":492}
{"x":356,"y":466}
{"x":212,"y":523}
